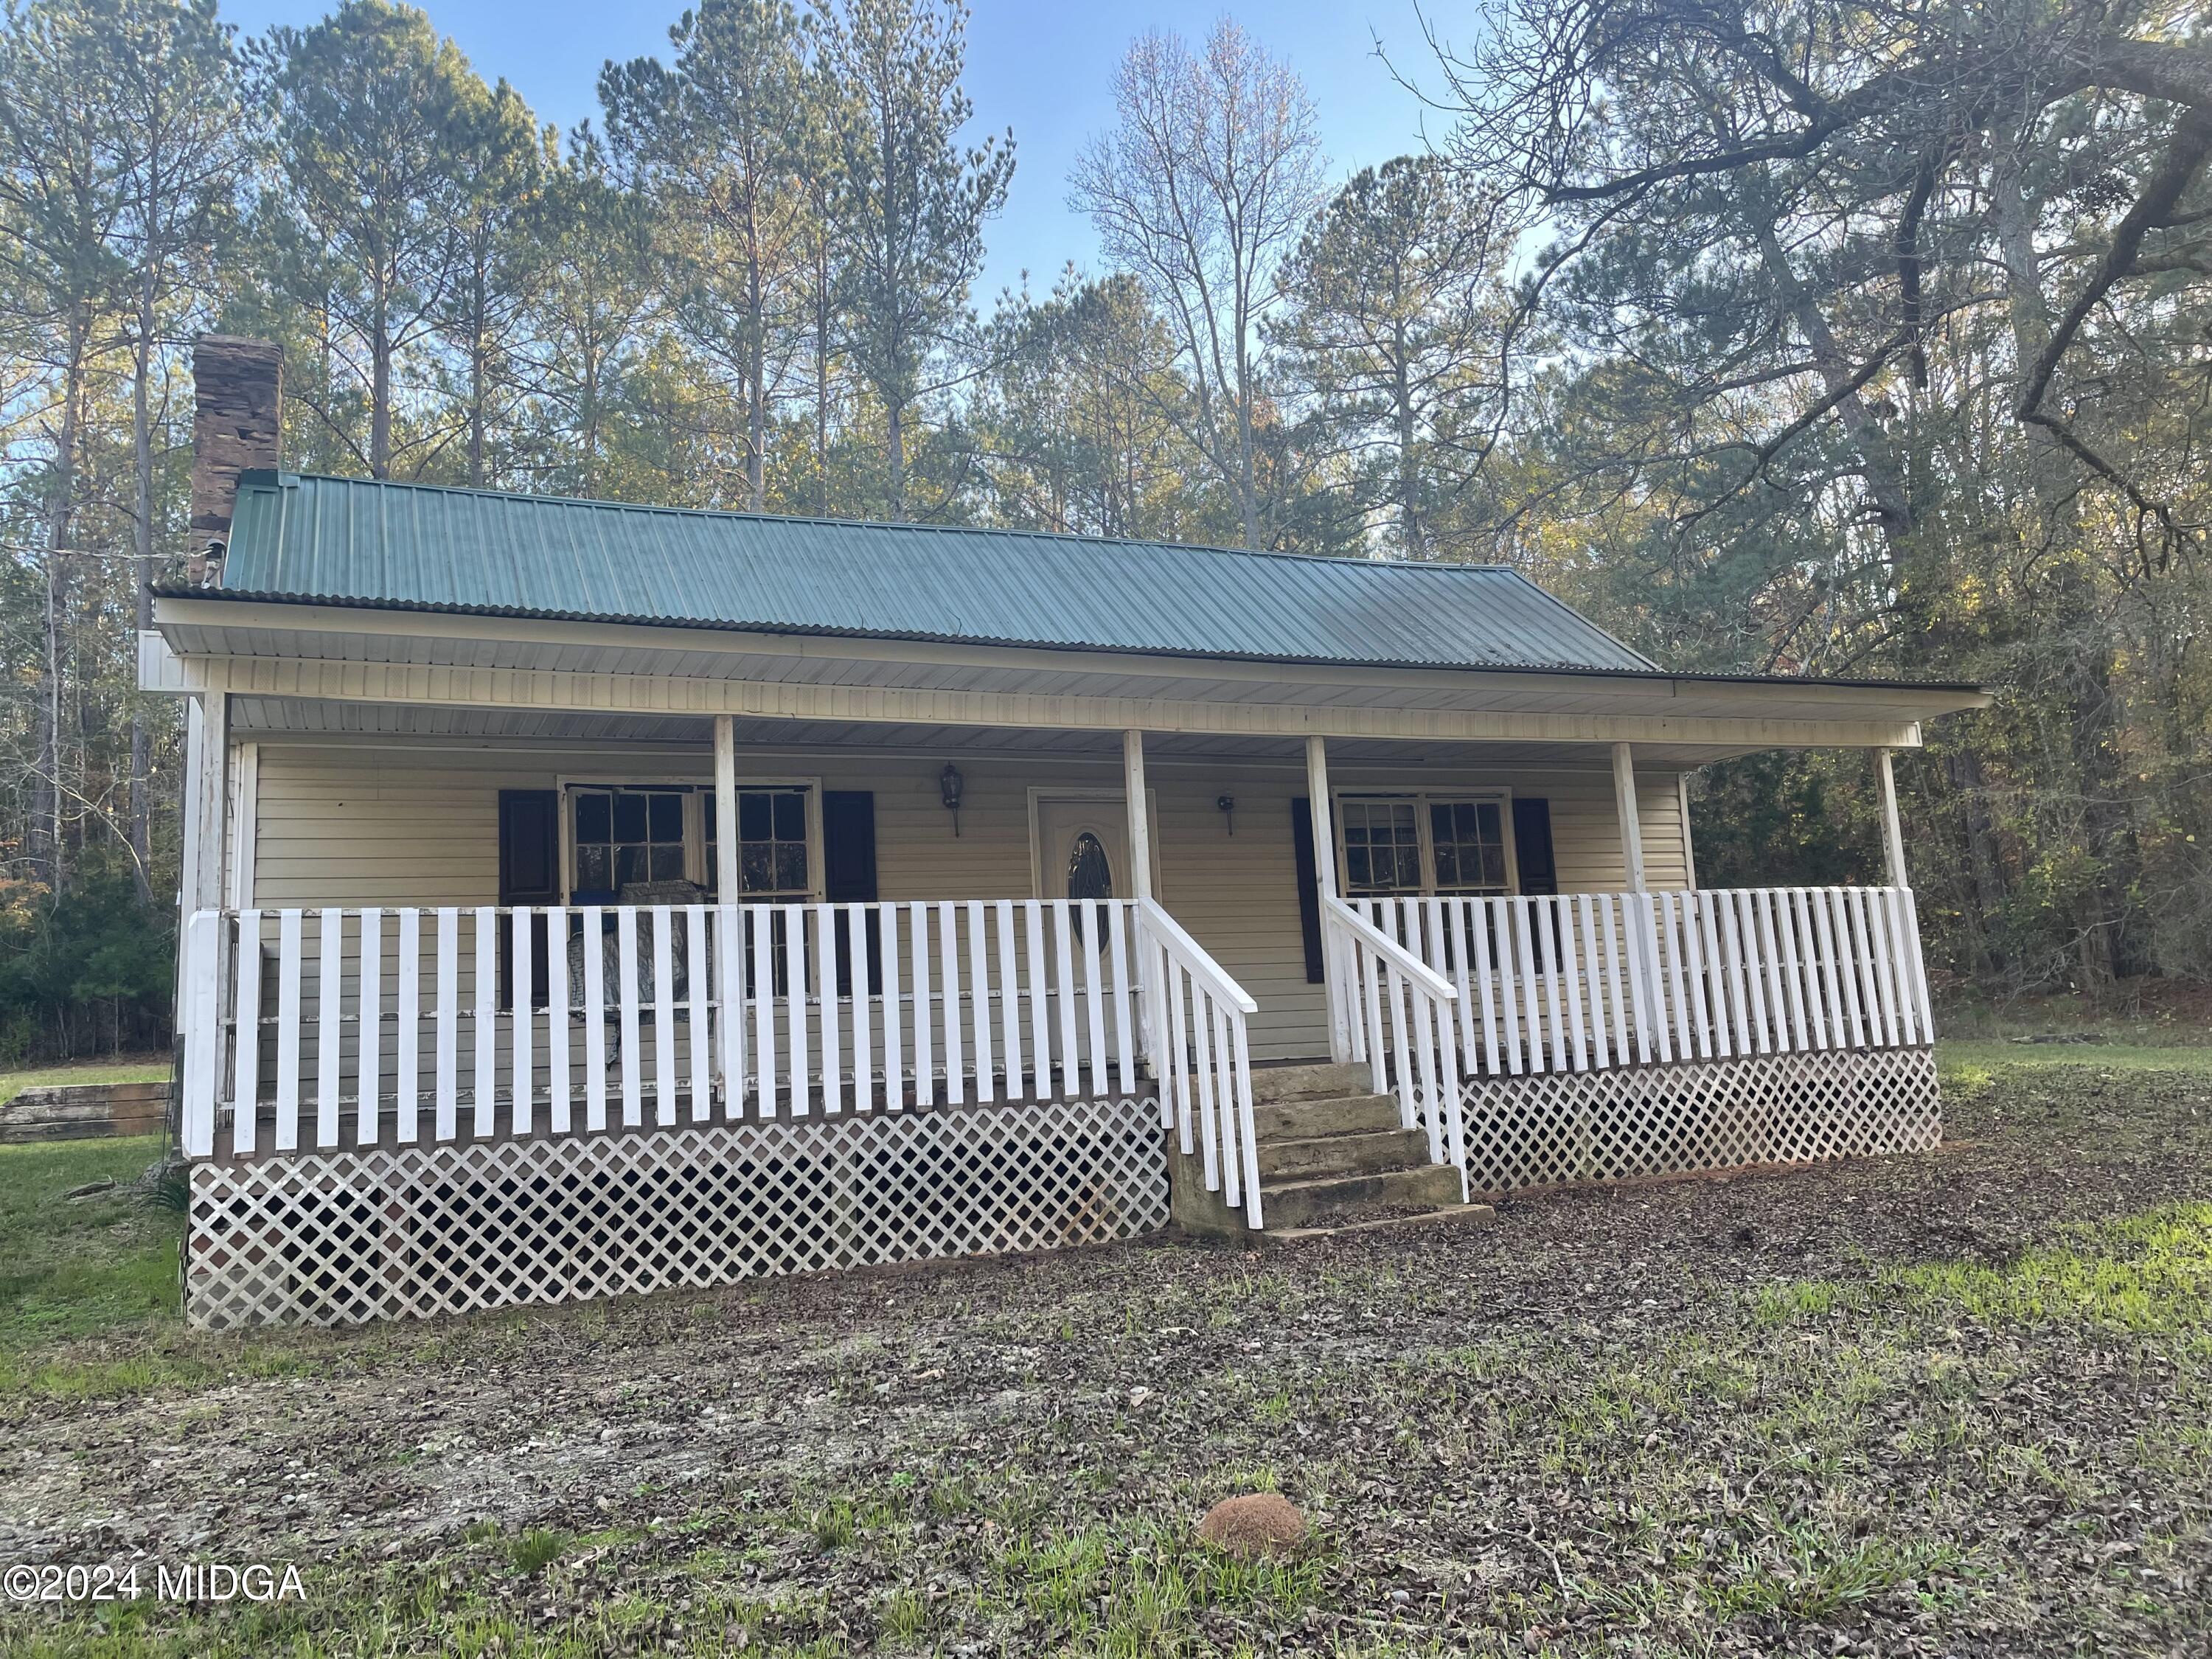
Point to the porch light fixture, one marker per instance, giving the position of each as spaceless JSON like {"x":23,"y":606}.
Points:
{"x":1227,"y":806}
{"x":948,"y":787}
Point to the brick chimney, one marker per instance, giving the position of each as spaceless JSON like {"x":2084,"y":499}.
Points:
{"x":238,"y":394}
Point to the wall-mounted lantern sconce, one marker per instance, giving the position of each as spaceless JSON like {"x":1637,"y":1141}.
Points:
{"x":948,"y":786}
{"x":1227,"y":806}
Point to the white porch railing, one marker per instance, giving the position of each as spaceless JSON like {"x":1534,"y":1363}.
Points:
{"x":1206,"y":1094}
{"x":1401,"y":1009}
{"x":337,"y":1028}
{"x":1585,"y":981}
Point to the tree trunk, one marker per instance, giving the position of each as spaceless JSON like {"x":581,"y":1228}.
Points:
{"x":895,"y":419}
{"x":141,"y":544}
{"x":1408,"y":471}
{"x":48,"y":857}
{"x":380,"y":392}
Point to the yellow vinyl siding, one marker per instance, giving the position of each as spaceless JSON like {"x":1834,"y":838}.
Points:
{"x":358,"y":822}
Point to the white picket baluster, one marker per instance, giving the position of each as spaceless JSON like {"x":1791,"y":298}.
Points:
{"x":948,"y":974}
{"x":1071,"y":1050}
{"x":1571,"y":982}
{"x":1117,"y":915}
{"x":633,"y":1071}
{"x":1094,"y":1000}
{"x":523,"y":1070}
{"x":924,"y":1034}
{"x":245,"y":1060}
{"x":594,"y":953}
{"x":368,"y":1046}
{"x":825,"y":1007}
{"x":730,"y":973}
{"x":760,"y":1005}
{"x":559,"y":1109}
{"x":793,"y":917}
{"x":330,"y":1031}
{"x":289,"y":952}
{"x":484,"y":1078}
{"x":407,"y":1075}
{"x":894,"y":1051}
{"x":701,"y":988}
{"x":864,"y":992}
{"x":979,"y":1001}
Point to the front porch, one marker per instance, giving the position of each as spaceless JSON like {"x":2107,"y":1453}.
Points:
{"x":1046,"y":1000}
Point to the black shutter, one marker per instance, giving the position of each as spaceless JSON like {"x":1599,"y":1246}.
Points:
{"x":1302,"y":854}
{"x":848,"y":873}
{"x":529,"y":873}
{"x":1532,"y":844}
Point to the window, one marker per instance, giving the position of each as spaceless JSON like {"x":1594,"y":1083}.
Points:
{"x":1469,"y":839}
{"x":774,"y":860}
{"x":620,"y":834}
{"x":1397,"y":846}
{"x":1381,"y":847}
{"x":627,"y":835}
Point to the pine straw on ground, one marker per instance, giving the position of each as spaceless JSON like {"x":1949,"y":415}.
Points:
{"x":1956,"y":1405}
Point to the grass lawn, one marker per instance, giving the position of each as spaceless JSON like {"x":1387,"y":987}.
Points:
{"x":131,"y":1068}
{"x":1956,"y":1405}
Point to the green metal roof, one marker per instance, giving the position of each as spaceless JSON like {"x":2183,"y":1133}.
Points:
{"x":302,"y":538}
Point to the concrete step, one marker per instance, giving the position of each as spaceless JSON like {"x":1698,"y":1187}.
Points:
{"x":1320,"y":1081}
{"x":1330,"y":1200}
{"x":1343,"y":1154}
{"x":1341,"y":1115}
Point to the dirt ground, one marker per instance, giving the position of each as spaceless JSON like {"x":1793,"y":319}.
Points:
{"x":1957,"y":1405}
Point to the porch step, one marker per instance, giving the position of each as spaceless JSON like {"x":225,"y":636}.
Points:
{"x":1334,"y":1199}
{"x":1342,"y":1114}
{"x":1371,"y":1153}
{"x":1272,"y":1084}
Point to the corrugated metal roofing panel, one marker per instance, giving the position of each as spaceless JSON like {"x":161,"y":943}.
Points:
{"x":353,"y":541}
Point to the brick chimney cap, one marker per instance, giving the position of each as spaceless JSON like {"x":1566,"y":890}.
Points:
{"x":245,"y":343}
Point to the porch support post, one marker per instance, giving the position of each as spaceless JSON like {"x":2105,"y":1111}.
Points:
{"x":206,"y":774}
{"x":1324,"y":842}
{"x":725,"y":810}
{"x":1893,"y":832}
{"x":1140,"y":815}
{"x":1631,"y":826}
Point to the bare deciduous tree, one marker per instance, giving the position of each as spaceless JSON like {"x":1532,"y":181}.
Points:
{"x":1202,"y":189}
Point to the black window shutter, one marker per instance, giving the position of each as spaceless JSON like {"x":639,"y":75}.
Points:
{"x":848,"y":873}
{"x":1302,"y":852}
{"x":529,"y":873}
{"x":1532,"y":844}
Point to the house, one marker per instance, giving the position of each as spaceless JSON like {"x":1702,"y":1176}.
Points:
{"x":583,"y":898}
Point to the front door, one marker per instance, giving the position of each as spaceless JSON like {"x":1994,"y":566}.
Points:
{"x":1083,"y":847}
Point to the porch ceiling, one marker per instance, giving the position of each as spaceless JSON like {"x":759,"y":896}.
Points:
{"x":279,"y":717}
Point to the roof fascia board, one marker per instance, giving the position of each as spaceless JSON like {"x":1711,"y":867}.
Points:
{"x":381,"y":623}
{"x":546,"y":689}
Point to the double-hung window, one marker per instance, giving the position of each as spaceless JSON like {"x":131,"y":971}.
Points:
{"x":1412,"y":845}
{"x":620,"y":835}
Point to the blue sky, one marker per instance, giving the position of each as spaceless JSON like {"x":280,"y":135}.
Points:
{"x":1044,"y":69}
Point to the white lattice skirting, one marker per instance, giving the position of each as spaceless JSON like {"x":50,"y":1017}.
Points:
{"x":335,"y":1238}
{"x":1698,"y":1114}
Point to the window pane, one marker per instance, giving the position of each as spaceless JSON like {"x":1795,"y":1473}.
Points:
{"x":1089,"y":874}
{"x":1470,"y":846}
{"x":707,"y":806}
{"x":1382,"y":848}
{"x":752,"y":816}
{"x":591,"y":817}
{"x":791,"y":867}
{"x":629,"y":866}
{"x":668,"y":863}
{"x":756,"y":869}
{"x":592,"y":867}
{"x":667,"y":818}
{"x":630,"y":817}
{"x":791,"y":817}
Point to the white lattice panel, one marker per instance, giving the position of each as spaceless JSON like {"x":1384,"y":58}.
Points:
{"x":1698,"y":1114}
{"x":332,"y":1238}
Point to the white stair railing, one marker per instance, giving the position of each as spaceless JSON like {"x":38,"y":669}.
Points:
{"x":1587,"y":982}
{"x":356,"y":1026}
{"x":1403,"y":1023}
{"x":1197,"y":1039}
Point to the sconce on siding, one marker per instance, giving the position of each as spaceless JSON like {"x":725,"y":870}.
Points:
{"x":949,"y":785}
{"x":1227,"y":806}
